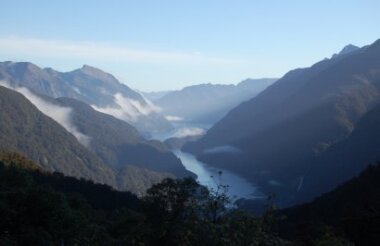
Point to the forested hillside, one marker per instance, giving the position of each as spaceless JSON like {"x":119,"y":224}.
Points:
{"x":42,"y":208}
{"x":114,"y":152}
{"x":281,"y":132}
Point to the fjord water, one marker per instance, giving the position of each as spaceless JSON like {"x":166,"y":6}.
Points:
{"x":208,"y":176}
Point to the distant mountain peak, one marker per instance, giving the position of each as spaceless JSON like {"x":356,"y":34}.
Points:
{"x":97,"y":73}
{"x":91,"y":70}
{"x":24,"y":65}
{"x":248,"y":81}
{"x":346,"y":50}
{"x":88,"y":67}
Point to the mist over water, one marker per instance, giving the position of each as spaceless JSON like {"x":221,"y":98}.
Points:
{"x":182,"y":129}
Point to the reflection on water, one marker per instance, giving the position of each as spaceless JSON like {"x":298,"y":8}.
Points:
{"x":238,"y":187}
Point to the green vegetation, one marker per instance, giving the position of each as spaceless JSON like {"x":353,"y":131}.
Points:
{"x":117,"y":154}
{"x":47,"y":209}
{"x":351,"y":210}
{"x":24,"y":129}
{"x":41,"y":208}
{"x":286,"y":131}
{"x":137,"y":163}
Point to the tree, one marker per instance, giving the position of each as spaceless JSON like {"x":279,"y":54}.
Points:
{"x":182,"y":212}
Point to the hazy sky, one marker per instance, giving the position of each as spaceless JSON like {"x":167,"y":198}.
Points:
{"x":158,"y":44}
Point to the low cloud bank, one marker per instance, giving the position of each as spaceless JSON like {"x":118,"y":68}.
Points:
{"x":173,"y":118}
{"x":127,"y":109}
{"x":189,"y":132}
{"x":225,"y":149}
{"x":61,"y":115}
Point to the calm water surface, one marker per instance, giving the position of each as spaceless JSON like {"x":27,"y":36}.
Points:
{"x":208,"y":176}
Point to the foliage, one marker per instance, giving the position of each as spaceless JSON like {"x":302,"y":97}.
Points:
{"x":350,"y":211}
{"x":117,"y":154}
{"x":329,"y":239}
{"x":283,"y":131}
{"x":39,"y":208}
{"x":23,"y":128}
{"x":181,"y":212}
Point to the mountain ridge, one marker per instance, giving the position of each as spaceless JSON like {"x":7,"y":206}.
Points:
{"x":88,"y":84}
{"x":114,"y":145}
{"x":207,"y":103}
{"x":295,"y":119}
{"x":25,"y":129}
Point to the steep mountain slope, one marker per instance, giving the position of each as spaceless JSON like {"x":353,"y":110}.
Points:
{"x":154,"y":95}
{"x":41,"y":208}
{"x":98,"y":195}
{"x":90,"y":82}
{"x":352,"y":209}
{"x":24,"y":129}
{"x":295,"y":119}
{"x":135,"y":163}
{"x":345,"y":159}
{"x":91,"y":85}
{"x":43,"y":81}
{"x":119,"y":144}
{"x":346,"y":50}
{"x":208,"y":103}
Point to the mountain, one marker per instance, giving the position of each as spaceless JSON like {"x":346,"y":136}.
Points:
{"x":281,"y":132}
{"x":91,"y":85}
{"x":347,"y":158}
{"x":119,"y":144}
{"x":352,"y":209}
{"x":132,"y":162}
{"x":154,"y":95}
{"x":207,"y":103}
{"x":98,"y":195}
{"x":42,"y":208}
{"x":176,"y":143}
{"x":24,"y":129}
{"x":346,"y":50}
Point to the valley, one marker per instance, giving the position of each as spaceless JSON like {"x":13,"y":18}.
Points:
{"x":209,"y":176}
{"x":237,"y":187}
{"x":190,"y":123}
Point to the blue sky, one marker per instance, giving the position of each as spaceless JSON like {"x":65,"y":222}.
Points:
{"x":159,"y":45}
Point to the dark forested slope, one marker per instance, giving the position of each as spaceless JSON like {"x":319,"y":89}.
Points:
{"x":352,"y":209}
{"x":40,"y":208}
{"x":295,"y":120}
{"x":90,"y":85}
{"x":114,"y":153}
{"x":23,"y":128}
{"x":119,"y":144}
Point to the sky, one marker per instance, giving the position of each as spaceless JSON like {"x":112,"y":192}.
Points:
{"x":163,"y":45}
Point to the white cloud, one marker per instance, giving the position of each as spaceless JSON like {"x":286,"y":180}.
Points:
{"x":152,"y":107}
{"x":47,"y":48}
{"x":127,"y":109}
{"x":189,"y":132}
{"x":146,"y":109}
{"x":173,"y":118}
{"x":76,"y":89}
{"x":227,"y":149}
{"x":61,"y":115}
